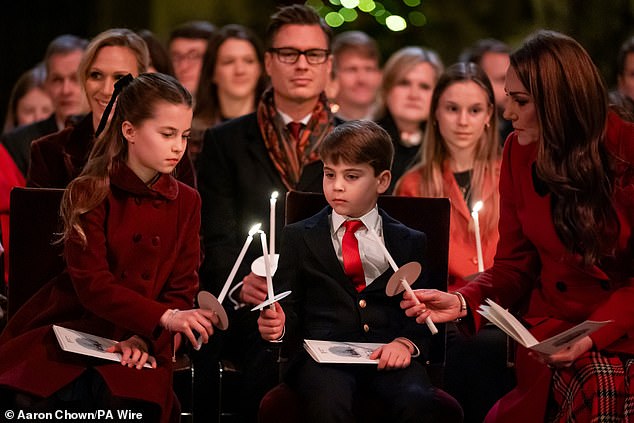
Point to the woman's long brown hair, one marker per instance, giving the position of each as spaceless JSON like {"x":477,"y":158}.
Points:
{"x":572,"y":105}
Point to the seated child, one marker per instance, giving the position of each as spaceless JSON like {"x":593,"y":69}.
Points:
{"x":338,"y":289}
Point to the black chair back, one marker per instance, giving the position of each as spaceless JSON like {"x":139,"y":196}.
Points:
{"x":34,"y":258}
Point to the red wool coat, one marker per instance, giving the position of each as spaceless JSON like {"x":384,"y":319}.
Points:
{"x":142,"y":258}
{"x":531,"y":264}
{"x":463,"y":259}
{"x":10,"y":176}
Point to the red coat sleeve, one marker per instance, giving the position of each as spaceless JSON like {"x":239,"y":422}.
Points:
{"x":516,"y":265}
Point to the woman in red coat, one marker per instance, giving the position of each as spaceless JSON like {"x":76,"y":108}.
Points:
{"x":132,"y":255}
{"x":566,"y":248}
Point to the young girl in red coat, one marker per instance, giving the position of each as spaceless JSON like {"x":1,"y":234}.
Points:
{"x":132,"y":256}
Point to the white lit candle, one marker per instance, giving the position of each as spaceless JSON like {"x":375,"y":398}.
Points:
{"x":476,"y":224}
{"x":430,"y":324}
{"x":273,"y":201}
{"x":254,"y":229}
{"x":267,"y":267}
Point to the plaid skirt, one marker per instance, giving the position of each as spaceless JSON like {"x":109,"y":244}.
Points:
{"x":596,"y":388}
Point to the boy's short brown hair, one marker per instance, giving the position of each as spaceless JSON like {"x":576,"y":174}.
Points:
{"x":357,"y":142}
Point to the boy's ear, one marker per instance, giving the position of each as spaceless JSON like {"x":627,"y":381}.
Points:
{"x":383,"y":181}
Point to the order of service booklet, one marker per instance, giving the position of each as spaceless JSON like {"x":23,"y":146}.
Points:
{"x":86,"y":344}
{"x":512,"y":327}
{"x":341,"y":352}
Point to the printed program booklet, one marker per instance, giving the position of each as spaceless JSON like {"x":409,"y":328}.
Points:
{"x":86,"y":344}
{"x":341,"y":352}
{"x":500,"y":317}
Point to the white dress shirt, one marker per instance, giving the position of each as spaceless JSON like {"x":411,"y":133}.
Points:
{"x":372,"y":258}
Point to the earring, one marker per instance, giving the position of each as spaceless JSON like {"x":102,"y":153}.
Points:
{"x":487,"y":125}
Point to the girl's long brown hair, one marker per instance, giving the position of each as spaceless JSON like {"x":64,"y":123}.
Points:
{"x":434,"y":152}
{"x":572,"y":105}
{"x":135,"y":104}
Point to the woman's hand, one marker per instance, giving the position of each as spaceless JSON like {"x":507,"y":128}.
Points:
{"x":566,"y":356}
{"x":188,"y":321}
{"x":394,"y":355}
{"x":134,"y":352}
{"x":441,"y":306}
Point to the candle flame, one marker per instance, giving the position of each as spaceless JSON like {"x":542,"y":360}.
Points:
{"x":254,"y":229}
{"x":274,"y":195}
{"x":477,"y":206}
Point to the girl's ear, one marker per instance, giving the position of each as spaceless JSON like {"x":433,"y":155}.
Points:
{"x":128,"y":131}
{"x":383,"y":181}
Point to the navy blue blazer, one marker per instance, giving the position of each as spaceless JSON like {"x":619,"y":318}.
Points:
{"x":324,"y":303}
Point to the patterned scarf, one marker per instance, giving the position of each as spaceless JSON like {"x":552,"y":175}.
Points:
{"x":289,"y":155}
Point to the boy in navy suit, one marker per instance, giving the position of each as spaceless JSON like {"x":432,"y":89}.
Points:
{"x":338,"y":287}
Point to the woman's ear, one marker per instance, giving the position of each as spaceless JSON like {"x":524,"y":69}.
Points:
{"x":383,"y":181}
{"x":128,"y":131}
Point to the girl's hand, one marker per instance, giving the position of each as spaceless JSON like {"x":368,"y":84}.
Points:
{"x":566,"y":356}
{"x":134,"y":352}
{"x":394,"y":355}
{"x":188,"y":321}
{"x":271,"y":323}
{"x":441,"y":306}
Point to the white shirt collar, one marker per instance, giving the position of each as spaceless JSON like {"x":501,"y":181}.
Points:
{"x":370,"y":220}
{"x":287,"y":119}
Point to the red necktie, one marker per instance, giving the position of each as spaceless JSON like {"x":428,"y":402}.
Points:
{"x":295,"y":128}
{"x":350,"y":251}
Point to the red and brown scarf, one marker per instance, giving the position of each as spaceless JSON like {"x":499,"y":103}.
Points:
{"x":289,"y":155}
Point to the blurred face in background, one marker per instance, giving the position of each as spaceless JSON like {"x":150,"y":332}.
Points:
{"x":358,"y":78}
{"x":237,"y":69}
{"x":409,"y":99}
{"x":187,"y":59}
{"x":34,"y":106}
{"x":495,"y":65}
{"x":62,"y":84}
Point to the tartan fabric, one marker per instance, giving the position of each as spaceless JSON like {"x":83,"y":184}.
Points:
{"x":290,"y":155}
{"x":595,"y":389}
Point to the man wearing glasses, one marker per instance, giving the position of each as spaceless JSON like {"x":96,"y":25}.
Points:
{"x":187,"y":45}
{"x":244,"y":160}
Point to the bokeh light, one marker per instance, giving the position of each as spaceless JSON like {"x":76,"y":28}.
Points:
{"x":334,"y":19}
{"x":417,"y":18}
{"x":366,"y":5}
{"x":349,"y":15}
{"x":412,"y":3}
{"x":350,"y":4}
{"x":396,"y":23}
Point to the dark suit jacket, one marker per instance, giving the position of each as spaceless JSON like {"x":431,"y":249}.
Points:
{"x":324,"y":304}
{"x":60,"y":157}
{"x":18,"y":142}
{"x":235,"y":179}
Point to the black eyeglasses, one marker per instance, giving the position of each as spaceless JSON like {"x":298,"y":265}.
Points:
{"x":314,"y":56}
